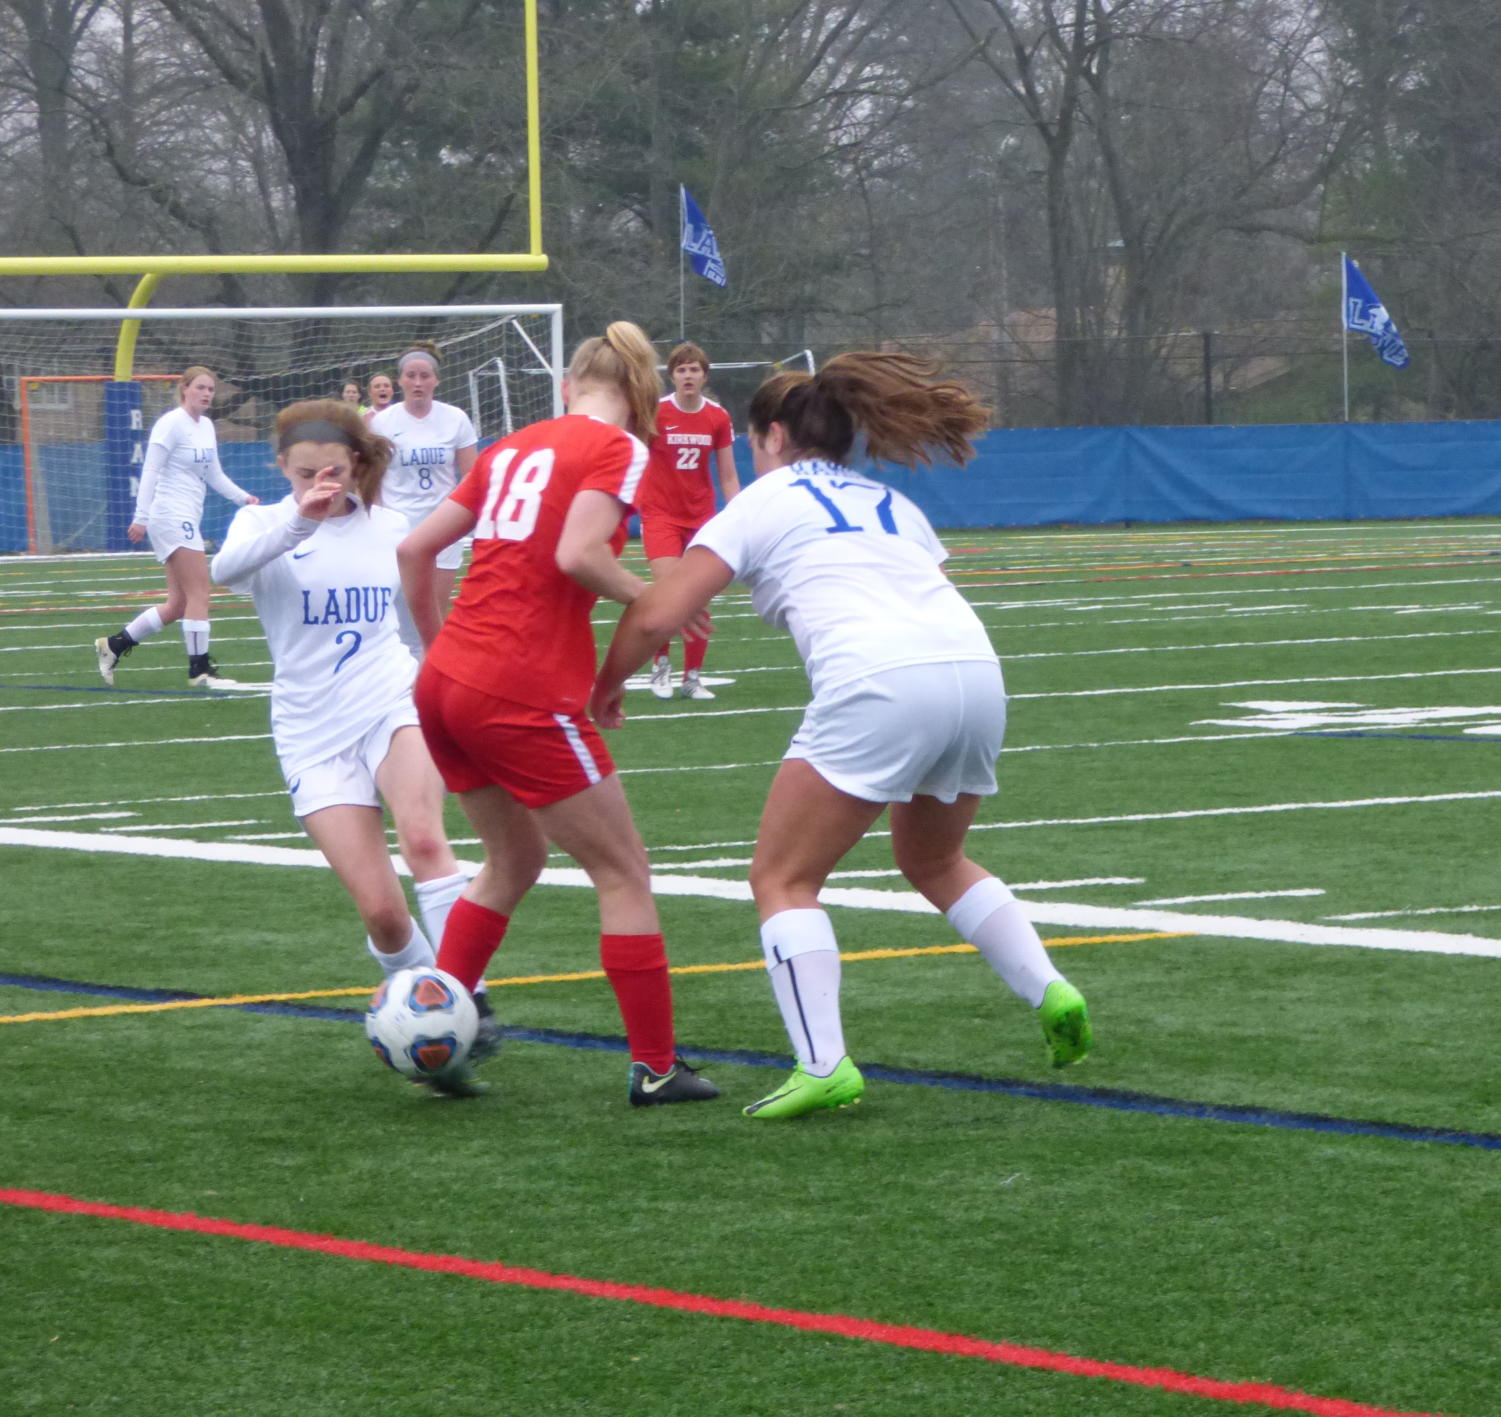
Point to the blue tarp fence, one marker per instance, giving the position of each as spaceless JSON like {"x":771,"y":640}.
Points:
{"x":1041,"y":476}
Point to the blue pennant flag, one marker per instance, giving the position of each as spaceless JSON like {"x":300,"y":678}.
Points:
{"x":699,"y":243}
{"x":1366,"y":315}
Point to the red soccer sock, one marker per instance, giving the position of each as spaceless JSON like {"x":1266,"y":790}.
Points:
{"x":663,"y":651}
{"x":470,"y":939}
{"x":636,"y":966}
{"x":693,"y":655}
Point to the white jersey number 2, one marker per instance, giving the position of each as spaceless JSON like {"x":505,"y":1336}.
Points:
{"x":514,"y":498}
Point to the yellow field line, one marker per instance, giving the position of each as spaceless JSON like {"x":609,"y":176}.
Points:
{"x":236,"y":1000}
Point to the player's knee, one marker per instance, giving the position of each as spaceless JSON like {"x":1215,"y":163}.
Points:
{"x":924,"y":871}
{"x":388,"y":922}
{"x":425,"y":850}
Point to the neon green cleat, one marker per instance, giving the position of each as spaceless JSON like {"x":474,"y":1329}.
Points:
{"x":803,"y":1093}
{"x":1065,"y":1023}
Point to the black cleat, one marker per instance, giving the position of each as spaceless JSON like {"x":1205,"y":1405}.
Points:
{"x":488,"y":1038}
{"x":679,"y":1084}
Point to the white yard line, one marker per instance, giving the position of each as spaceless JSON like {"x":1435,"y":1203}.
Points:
{"x":859,"y":898}
{"x":1226,"y":895}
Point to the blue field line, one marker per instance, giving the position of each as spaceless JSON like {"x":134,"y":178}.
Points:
{"x":1111,"y":1099}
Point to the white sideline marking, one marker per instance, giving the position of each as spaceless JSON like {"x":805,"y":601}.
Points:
{"x":1227,"y":895}
{"x":1427,"y":910}
{"x":854,"y":897}
{"x":1237,"y":811}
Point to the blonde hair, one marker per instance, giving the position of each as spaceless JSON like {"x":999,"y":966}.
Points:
{"x":622,"y":358}
{"x":907,"y":414}
{"x":193,"y":371}
{"x":335,"y":421}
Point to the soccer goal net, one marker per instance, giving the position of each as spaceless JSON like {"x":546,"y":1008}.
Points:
{"x":72,"y":434}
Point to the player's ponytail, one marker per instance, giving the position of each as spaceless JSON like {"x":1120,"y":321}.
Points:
{"x":334,"y":421}
{"x":622,"y":357}
{"x":905,"y":412}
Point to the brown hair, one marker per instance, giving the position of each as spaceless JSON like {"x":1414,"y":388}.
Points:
{"x":907,"y":414}
{"x":334,"y":421}
{"x":427,"y":349}
{"x":687,"y":353}
{"x":192,"y":372}
{"x":622,"y":357}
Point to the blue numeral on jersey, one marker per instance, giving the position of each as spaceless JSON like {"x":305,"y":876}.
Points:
{"x":839,"y":520}
{"x":348,"y":653}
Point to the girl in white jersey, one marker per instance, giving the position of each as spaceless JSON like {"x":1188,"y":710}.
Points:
{"x":321,"y":568}
{"x":435,"y":447}
{"x":182,"y":458}
{"x":908,"y":705}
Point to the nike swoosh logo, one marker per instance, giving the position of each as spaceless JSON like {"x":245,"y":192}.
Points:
{"x":650,"y":1084}
{"x":298,"y":555}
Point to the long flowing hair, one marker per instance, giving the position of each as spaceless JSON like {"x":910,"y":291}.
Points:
{"x":907,"y":414}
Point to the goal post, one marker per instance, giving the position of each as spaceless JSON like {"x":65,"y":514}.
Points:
{"x":80,"y":431}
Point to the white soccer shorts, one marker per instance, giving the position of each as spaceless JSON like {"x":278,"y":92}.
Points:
{"x":933,"y":730}
{"x":348,"y":779}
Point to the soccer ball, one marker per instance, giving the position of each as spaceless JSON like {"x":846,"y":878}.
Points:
{"x":421,"y":1021}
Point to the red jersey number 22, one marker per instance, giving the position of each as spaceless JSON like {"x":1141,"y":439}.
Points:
{"x":514,"y":498}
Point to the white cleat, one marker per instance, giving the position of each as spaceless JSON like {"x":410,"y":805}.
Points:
{"x":215,"y":681}
{"x":107,"y":660}
{"x":661,"y":678}
{"x":692,"y":688}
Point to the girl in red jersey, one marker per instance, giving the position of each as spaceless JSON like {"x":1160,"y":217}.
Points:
{"x":692,"y":431}
{"x":502,"y":690}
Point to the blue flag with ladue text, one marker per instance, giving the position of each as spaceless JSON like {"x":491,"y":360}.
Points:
{"x":1366,"y":315}
{"x":699,"y":243}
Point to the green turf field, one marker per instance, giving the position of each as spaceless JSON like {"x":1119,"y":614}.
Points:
{"x":1252,"y":794}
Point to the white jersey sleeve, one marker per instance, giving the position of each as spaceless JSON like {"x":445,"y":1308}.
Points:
{"x":850,"y":567}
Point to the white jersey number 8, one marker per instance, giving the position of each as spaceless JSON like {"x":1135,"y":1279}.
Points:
{"x":514,"y":499}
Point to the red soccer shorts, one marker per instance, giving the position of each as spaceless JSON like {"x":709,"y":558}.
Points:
{"x":661,"y":537}
{"x":478,"y":740}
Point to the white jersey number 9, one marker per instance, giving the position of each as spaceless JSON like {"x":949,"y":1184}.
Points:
{"x":514,"y":498}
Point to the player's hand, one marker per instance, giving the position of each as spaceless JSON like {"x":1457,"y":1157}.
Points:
{"x":252,"y":500}
{"x":700,"y":627}
{"x":319,"y":500}
{"x":607,"y":708}
{"x":135,"y":531}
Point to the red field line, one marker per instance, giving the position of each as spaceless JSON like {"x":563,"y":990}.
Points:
{"x":840,"y":1325}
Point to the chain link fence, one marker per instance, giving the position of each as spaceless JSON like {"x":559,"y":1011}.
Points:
{"x":1282,"y":373}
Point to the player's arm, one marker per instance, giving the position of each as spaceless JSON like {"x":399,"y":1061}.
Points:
{"x":417,"y":558}
{"x":667,"y":607}
{"x":584,"y":552}
{"x":221,"y":482}
{"x":729,"y":477}
{"x":463,"y":460}
{"x":151,"y":467}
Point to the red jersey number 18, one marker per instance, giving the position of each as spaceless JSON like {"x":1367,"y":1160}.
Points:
{"x":514,"y":498}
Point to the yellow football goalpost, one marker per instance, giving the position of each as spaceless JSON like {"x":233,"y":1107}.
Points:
{"x":509,"y":358}
{"x":151,"y":268}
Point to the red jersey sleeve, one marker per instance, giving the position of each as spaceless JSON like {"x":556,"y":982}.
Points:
{"x":619,"y":467}
{"x":470,"y":493}
{"x":724,"y":430}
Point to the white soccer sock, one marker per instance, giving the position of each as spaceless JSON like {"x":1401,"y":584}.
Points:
{"x":195,"y":636}
{"x":802,"y":956}
{"x":435,"y":899}
{"x":988,"y":916}
{"x":412,"y":955}
{"x":146,"y":624}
